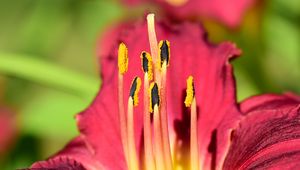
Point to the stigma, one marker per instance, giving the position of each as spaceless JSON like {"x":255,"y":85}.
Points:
{"x":157,"y":145}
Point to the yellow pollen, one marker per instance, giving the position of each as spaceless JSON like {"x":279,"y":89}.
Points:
{"x":164,"y":53}
{"x":123,"y":58}
{"x":134,"y":91}
{"x":190,"y":91}
{"x":147,"y":64}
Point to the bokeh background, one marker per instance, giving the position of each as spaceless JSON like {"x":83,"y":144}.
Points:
{"x":49,"y":70}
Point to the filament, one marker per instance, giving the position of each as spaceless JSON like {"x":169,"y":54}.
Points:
{"x":164,"y":120}
{"x":194,"y":138}
{"x":132,"y":155}
{"x":159,"y":154}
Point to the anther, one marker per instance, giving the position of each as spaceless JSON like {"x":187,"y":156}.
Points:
{"x":134,"y":90}
{"x":164,"y":52}
{"x":154,"y":96}
{"x":123,"y":58}
{"x":147,"y":64}
{"x":190,"y":92}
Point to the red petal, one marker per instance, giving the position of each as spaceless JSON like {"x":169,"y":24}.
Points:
{"x":269,"y":101}
{"x":229,"y":12}
{"x":191,"y":54}
{"x":269,"y":136}
{"x":75,"y":156}
{"x":99,"y":124}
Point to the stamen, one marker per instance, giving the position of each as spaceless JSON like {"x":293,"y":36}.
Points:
{"x":132,"y":101}
{"x":190,"y":101}
{"x":123,"y":66}
{"x":147,"y":65}
{"x":147,"y":68}
{"x":154,"y":107}
{"x":164,"y":58}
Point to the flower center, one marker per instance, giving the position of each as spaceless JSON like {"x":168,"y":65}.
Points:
{"x":177,"y":2}
{"x":157,"y":147}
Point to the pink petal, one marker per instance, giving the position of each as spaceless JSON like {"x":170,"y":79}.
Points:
{"x":75,"y":156}
{"x":191,"y":54}
{"x":269,"y":136}
{"x":229,"y":12}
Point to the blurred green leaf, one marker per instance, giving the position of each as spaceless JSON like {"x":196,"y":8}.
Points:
{"x":50,"y":113}
{"x":289,"y":6}
{"x":25,"y":152}
{"x":244,"y":84}
{"x":38,"y":71}
{"x":283,"y":52}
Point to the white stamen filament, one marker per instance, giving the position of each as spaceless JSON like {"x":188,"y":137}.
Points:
{"x":149,"y":157}
{"x":132,"y":155}
{"x":164,"y":119}
{"x":194,"y":137}
{"x":158,"y":143}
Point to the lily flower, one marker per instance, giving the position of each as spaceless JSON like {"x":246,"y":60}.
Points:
{"x":229,"y":12}
{"x":185,"y":116}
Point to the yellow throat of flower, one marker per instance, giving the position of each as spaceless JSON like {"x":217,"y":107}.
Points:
{"x":177,"y":2}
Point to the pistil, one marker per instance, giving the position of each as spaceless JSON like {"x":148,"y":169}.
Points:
{"x":123,"y":67}
{"x":153,"y":45}
{"x":132,"y":101}
{"x":158,"y":143}
{"x":148,"y":76}
{"x":190,"y":101}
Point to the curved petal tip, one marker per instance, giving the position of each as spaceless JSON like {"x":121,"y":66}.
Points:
{"x":58,"y":163}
